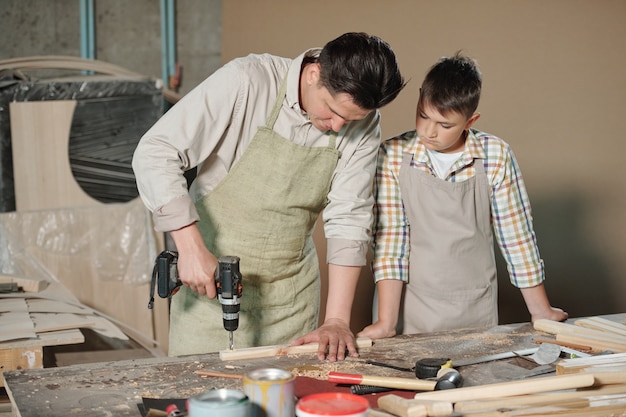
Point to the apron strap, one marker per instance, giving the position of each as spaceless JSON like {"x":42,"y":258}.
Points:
{"x":278,"y":104}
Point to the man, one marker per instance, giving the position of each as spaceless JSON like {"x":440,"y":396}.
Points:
{"x":275,"y":141}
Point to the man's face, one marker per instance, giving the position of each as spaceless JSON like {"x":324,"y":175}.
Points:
{"x":325,"y":111}
{"x":442,"y":133}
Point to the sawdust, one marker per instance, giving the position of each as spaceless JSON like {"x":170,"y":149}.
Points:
{"x":322,"y":370}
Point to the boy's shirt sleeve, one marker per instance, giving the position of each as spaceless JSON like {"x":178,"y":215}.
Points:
{"x":391,"y":228}
{"x":512,"y":217}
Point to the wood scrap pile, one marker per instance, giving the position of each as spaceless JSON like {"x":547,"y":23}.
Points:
{"x":583,"y":394}
{"x":598,"y":333}
{"x":583,"y":386}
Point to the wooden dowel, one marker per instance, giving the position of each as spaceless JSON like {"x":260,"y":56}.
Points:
{"x":279,"y":350}
{"x":558,"y":328}
{"x":596,"y":344}
{"x":599,"y":323}
{"x":581,"y":348}
{"x":218,"y":374}
{"x":504,"y":389}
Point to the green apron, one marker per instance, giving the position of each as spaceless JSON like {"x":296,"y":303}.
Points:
{"x":264,"y":212}
{"x":452,"y":268}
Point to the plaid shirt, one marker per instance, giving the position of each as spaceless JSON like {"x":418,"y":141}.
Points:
{"x":510,"y":208}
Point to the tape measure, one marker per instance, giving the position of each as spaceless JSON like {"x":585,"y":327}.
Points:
{"x":428,"y":367}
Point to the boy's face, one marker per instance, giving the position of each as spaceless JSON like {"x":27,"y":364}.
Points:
{"x":441,"y":133}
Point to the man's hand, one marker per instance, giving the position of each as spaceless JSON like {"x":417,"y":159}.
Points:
{"x":196,"y":265}
{"x":334,"y":338}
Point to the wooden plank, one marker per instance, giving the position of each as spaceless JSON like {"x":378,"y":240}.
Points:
{"x":62,"y":337}
{"x":26,"y":284}
{"x":279,"y":350}
{"x":51,"y":322}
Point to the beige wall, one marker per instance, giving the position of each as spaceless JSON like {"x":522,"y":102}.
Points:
{"x":554,"y":88}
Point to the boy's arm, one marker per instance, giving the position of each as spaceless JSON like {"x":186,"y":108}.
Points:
{"x":389,"y":294}
{"x":390,"y":238}
{"x":513,"y":226}
{"x":538,"y":305}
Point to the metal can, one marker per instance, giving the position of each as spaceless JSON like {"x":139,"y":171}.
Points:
{"x":271,"y":392}
{"x":337,"y":404}
{"x":219,"y":403}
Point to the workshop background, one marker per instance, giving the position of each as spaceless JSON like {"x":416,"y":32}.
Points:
{"x":554,"y":85}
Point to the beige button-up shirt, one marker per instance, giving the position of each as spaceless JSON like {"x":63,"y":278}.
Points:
{"x":211,"y":127}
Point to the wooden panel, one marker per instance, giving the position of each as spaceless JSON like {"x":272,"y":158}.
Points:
{"x":39,"y":137}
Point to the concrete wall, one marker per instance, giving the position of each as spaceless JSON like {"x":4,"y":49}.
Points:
{"x":128,"y":33}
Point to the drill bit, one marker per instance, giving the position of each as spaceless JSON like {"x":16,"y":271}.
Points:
{"x":230,"y":340}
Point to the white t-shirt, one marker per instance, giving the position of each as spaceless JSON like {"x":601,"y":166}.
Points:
{"x":443,"y":161}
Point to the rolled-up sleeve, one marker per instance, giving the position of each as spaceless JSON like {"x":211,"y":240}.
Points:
{"x":348,"y":216}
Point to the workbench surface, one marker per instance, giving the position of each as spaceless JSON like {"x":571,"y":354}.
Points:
{"x":116,"y":388}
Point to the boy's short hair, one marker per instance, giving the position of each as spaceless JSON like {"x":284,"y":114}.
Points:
{"x":453,"y":84}
{"x":363,"y":66}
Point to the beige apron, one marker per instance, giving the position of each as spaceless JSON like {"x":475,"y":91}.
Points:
{"x":452,"y":270}
{"x":263,"y":211}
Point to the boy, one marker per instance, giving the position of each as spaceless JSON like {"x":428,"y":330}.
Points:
{"x":440,"y":191}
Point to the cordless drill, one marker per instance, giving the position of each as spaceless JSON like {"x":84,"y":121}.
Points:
{"x":228,"y":283}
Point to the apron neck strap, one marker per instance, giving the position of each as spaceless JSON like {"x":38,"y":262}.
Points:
{"x":278,"y":104}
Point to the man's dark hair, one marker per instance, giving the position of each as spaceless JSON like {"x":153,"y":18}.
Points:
{"x":363,"y":66}
{"x":453,"y":84}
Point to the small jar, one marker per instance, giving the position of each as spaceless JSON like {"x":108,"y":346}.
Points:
{"x":336,"y":404}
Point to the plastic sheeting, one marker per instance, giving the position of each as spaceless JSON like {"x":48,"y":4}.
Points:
{"x":109,"y":242}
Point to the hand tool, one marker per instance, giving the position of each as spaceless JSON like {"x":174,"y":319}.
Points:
{"x":449,"y":380}
{"x":428,"y":367}
{"x":228,"y":283}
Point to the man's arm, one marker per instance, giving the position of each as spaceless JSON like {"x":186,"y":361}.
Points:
{"x":334,"y":334}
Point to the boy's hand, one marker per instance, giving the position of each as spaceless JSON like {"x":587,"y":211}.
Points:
{"x":378,"y":330}
{"x":554,"y":314}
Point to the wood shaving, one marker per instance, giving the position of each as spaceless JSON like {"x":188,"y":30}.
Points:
{"x":322,"y":370}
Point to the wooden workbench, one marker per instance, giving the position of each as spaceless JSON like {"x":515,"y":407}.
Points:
{"x":116,"y":388}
